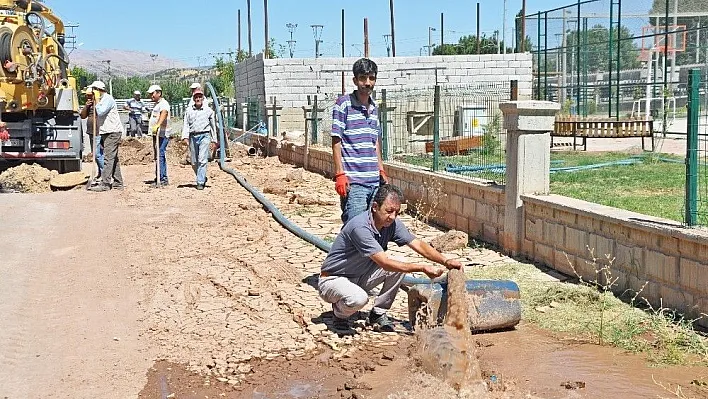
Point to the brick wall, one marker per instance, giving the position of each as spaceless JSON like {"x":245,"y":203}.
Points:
{"x":672,"y":261}
{"x":291,"y":80}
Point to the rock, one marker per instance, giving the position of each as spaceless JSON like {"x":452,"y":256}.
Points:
{"x":304,"y":199}
{"x":354,"y":384}
{"x":276,"y":188}
{"x":253,"y":292}
{"x":388,"y":355}
{"x":68,"y":180}
{"x":450,"y":241}
{"x":294,"y":175}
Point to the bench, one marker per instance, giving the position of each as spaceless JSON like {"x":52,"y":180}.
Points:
{"x":597,"y":127}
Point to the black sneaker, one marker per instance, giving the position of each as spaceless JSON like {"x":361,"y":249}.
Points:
{"x":200,"y":187}
{"x":99,"y":188}
{"x":380,"y":323}
{"x":117,"y":187}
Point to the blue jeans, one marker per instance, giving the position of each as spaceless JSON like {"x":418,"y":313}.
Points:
{"x":163,"y":160}
{"x":199,"y":150}
{"x":357,"y":200}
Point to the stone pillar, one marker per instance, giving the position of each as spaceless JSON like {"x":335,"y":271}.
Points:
{"x":528,"y":149}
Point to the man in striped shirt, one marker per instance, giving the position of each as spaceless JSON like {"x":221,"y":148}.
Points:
{"x":356,"y":143}
{"x":199,"y":128}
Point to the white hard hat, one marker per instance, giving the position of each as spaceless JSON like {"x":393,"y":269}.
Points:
{"x":154,"y":88}
{"x":195,"y":85}
{"x":98,"y":85}
{"x":136,"y":92}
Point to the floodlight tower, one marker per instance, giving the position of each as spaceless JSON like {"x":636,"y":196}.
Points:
{"x":291,"y":42}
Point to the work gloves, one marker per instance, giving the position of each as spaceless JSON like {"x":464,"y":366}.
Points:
{"x":341,"y":184}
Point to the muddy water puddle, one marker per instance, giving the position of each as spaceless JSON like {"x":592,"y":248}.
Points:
{"x":548,"y":367}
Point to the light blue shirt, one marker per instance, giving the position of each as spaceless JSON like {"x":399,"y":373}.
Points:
{"x":104,"y":106}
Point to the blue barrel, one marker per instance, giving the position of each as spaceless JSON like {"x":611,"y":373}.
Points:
{"x":492,"y":304}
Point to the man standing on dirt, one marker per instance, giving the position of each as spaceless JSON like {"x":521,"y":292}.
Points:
{"x":111,"y":130}
{"x":87,"y":113}
{"x":135,"y":107}
{"x":159,"y":127}
{"x":200,"y":130}
{"x":357,"y":262}
{"x":356,"y":143}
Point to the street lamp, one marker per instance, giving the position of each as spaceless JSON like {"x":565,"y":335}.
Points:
{"x":153,"y":56}
{"x":430,"y":40}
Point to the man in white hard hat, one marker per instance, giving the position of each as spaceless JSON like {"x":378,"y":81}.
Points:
{"x":135,"y":108}
{"x":111,"y":130}
{"x":194,"y":86}
{"x":159,"y":128}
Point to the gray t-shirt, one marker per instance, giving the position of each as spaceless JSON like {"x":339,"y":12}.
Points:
{"x":350,"y":255}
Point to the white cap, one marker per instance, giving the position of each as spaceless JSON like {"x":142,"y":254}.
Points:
{"x":195,"y":85}
{"x":98,"y":85}
{"x":154,"y":88}
{"x":136,"y":92}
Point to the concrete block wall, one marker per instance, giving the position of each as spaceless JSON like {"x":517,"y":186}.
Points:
{"x":291,"y":80}
{"x":668,"y":263}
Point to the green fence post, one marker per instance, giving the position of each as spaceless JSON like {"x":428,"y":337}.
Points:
{"x":694,"y":82}
{"x":538,"y":57}
{"x":436,"y":129}
{"x":275,"y":116}
{"x":383,"y":120}
{"x":314,"y":120}
{"x":546,"y":94}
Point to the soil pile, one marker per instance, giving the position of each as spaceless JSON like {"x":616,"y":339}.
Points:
{"x":27,"y":178}
{"x":450,"y":241}
{"x":134,"y":151}
{"x":68,"y":180}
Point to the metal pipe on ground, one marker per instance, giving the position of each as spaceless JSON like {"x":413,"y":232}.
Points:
{"x":497,"y":300}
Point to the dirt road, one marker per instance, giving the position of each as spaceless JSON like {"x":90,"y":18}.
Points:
{"x":145,"y":293}
{"x":70,"y":319}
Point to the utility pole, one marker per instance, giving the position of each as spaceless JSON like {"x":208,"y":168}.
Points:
{"x":239,"y":31}
{"x":366,"y":37}
{"x":248,"y":16}
{"x":564,"y":60}
{"x":110,"y":78}
{"x":387,"y":39}
{"x":266,"y":53}
{"x":317,"y":34}
{"x":291,"y":42}
{"x":673,"y":45}
{"x":344,"y":87}
{"x":393,"y":29}
{"x":504,"y":28}
{"x":479,"y":39}
{"x":153,"y":56}
{"x":430,"y":40}
{"x":442,"y":29}
{"x":522,"y":37}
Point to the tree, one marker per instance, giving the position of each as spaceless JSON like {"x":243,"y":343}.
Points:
{"x":596,"y":53}
{"x":468,"y":45}
{"x":83,"y":79}
{"x":224,"y":81}
{"x":275,"y":50}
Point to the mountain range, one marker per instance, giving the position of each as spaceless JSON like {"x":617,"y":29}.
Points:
{"x":122,"y":63}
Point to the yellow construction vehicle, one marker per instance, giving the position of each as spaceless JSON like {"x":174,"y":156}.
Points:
{"x":38,"y":98}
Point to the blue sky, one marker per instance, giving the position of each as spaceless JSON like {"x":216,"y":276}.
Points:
{"x":180,"y":30}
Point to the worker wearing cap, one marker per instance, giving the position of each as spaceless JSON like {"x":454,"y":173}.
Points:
{"x":194,"y":86}
{"x":200,"y":130}
{"x":135,"y":108}
{"x":159,"y":127}
{"x":111,"y":130}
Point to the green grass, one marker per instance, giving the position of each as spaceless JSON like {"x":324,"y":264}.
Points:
{"x":653,"y":187}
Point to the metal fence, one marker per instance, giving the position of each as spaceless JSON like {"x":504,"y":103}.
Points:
{"x":448,"y":129}
{"x":696,"y":205}
{"x":619,"y":58}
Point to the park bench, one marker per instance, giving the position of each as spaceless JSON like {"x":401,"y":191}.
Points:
{"x":594,"y":127}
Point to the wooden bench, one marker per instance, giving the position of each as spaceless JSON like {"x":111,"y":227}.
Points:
{"x":594,"y":127}
{"x":456,"y":145}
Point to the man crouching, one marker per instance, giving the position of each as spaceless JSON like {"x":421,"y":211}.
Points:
{"x":357,"y":262}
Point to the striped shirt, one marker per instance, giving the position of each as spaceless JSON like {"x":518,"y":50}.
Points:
{"x":199,"y":120}
{"x":358,"y":128}
{"x":136,"y":107}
